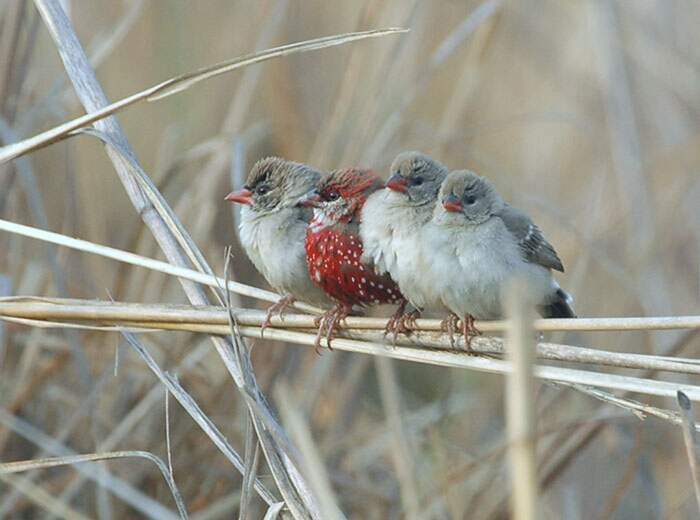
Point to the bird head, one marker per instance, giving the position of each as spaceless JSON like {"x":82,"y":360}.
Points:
{"x":467,"y":196}
{"x":274,"y":184}
{"x":340,"y":194}
{"x":417,"y":177}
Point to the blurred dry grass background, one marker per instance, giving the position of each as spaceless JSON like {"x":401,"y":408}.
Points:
{"x":584,"y":113}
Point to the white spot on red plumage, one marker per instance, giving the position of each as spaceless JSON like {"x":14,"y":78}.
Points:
{"x":342,"y":275}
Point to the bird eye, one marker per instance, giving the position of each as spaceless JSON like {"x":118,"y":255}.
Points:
{"x":418,"y":181}
{"x":262,"y":189}
{"x":333,"y":195}
{"x":470,"y":200}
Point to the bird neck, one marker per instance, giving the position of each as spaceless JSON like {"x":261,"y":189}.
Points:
{"x":323,"y":219}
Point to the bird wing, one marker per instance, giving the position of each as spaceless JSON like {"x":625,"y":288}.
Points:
{"x":533,"y":245}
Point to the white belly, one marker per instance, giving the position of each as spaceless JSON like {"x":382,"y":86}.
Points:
{"x":377,"y":231}
{"x":480,"y":261}
{"x":275,"y":245}
{"x":391,"y":234}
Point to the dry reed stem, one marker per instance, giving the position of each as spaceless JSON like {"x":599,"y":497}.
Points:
{"x":458,"y":359}
{"x":476,"y":146}
{"x":142,"y":503}
{"x":42,"y":498}
{"x":399,"y":447}
{"x":178,"y":84}
{"x":177,"y":245}
{"x":520,"y":403}
{"x":543,"y":325}
{"x":7,"y":468}
{"x":183,"y":273}
{"x":171,"y":236}
{"x":98,"y":314}
{"x":315,"y":470}
{"x":691,"y":442}
{"x":640,"y":410}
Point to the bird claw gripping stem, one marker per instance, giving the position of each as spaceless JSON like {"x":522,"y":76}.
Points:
{"x":328,"y":324}
{"x":449,"y":326}
{"x":401,"y":322}
{"x":410,"y":319}
{"x":469,"y":331}
{"x":277,"y":308}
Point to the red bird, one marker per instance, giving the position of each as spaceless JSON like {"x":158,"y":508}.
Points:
{"x":334,"y":248}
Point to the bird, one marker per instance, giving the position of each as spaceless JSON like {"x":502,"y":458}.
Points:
{"x":334,"y":248}
{"x":479,"y":241}
{"x":273,"y":226}
{"x":393,"y":222}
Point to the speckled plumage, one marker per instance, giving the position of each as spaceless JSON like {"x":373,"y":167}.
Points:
{"x":334,"y":248}
{"x":333,"y":245}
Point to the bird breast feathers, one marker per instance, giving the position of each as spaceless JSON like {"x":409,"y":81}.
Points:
{"x":487,"y":252}
{"x":274,"y":243}
{"x":376,"y":230}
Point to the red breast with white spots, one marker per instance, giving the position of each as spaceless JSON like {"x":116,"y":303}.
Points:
{"x":333,"y":244}
{"x":334,"y":260}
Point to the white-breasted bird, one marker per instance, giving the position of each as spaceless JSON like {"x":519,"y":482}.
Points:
{"x":478,"y":242}
{"x":393,"y":221}
{"x":273,"y":226}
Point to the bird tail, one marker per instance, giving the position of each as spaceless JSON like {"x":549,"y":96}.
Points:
{"x":560,"y":306}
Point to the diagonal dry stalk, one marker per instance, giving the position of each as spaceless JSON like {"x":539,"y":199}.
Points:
{"x":177,"y":84}
{"x":690,"y":438}
{"x":41,"y":497}
{"x":182,"y":272}
{"x":142,"y":503}
{"x":8,"y":468}
{"x":166,"y":228}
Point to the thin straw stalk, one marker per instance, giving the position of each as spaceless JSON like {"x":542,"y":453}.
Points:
{"x":213,"y":320}
{"x":457,"y":359}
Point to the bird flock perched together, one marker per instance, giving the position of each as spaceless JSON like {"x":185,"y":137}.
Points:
{"x":427,"y":239}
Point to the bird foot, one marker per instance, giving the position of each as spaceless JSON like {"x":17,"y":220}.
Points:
{"x":278,"y":308}
{"x":449,"y":325}
{"x":328,"y":325}
{"x":398,"y":323}
{"x":411,"y":317}
{"x":469,"y":331}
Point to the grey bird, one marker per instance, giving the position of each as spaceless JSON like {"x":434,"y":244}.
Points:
{"x":273,"y":226}
{"x":393,"y":221}
{"x":478,"y":242}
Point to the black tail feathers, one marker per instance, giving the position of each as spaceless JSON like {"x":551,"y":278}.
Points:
{"x":559,"y":306}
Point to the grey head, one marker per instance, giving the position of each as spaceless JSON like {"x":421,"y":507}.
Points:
{"x":417,"y":176}
{"x":274,"y":184}
{"x":471,"y":196}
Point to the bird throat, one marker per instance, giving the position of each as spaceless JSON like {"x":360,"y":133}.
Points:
{"x":324,"y":218}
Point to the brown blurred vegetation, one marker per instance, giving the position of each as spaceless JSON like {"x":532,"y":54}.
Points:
{"x":584,"y":113}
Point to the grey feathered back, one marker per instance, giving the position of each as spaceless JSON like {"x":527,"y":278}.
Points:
{"x":533,"y":245}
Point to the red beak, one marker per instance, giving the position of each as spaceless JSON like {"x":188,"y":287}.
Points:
{"x":452,"y":204}
{"x":397,"y":183}
{"x":242,"y":196}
